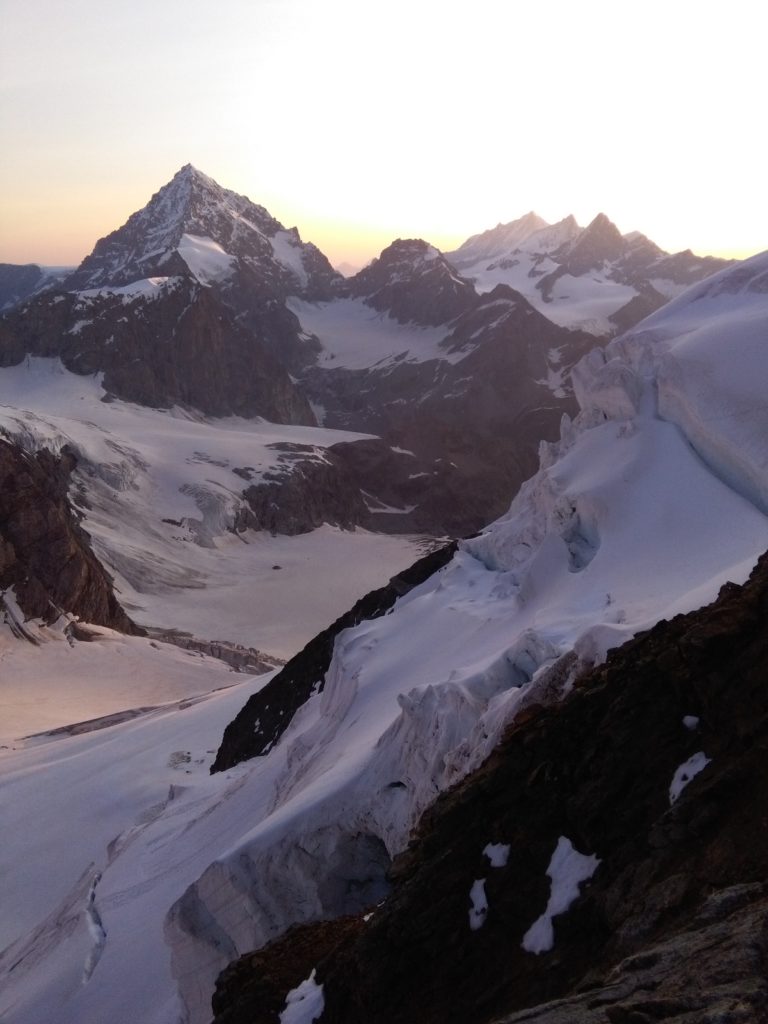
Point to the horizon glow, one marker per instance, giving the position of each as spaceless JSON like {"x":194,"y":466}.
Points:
{"x":362,"y":123}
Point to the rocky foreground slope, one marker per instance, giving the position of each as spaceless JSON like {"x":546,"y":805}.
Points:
{"x":653,"y":773}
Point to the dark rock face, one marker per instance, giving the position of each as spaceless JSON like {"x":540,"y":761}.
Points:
{"x":473,"y":423}
{"x":312,"y":489}
{"x":256,"y":984}
{"x":672,"y":925}
{"x":44,"y":555}
{"x":600,"y":242}
{"x":364,"y":483}
{"x":17,"y":281}
{"x":267,"y":714}
{"x":182,"y":347}
{"x":414,"y":283}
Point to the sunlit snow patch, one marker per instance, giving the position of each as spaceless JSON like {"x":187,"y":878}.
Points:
{"x":687,"y":771}
{"x":304,"y":1003}
{"x":287,"y":251}
{"x":205,"y":258}
{"x":567,"y":869}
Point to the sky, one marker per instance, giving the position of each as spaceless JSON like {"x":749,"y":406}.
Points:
{"x":360,"y":122}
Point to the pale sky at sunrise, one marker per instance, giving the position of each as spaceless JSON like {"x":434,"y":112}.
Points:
{"x":360,"y":122}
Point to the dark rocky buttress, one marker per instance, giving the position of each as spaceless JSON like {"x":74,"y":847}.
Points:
{"x":44,"y":555}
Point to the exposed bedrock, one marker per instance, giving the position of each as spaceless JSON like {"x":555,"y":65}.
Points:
{"x":44,"y":555}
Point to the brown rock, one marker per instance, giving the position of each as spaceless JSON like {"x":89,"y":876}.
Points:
{"x":44,"y":555}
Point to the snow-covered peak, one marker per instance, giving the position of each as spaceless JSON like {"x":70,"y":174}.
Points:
{"x":552,"y":237}
{"x":155,"y":240}
{"x":499,"y":240}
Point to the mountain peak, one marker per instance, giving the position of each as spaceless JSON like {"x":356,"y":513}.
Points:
{"x":191,"y":209}
{"x":413,"y":282}
{"x":600,"y":241}
{"x":498,"y":241}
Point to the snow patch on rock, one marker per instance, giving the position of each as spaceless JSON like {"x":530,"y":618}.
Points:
{"x":568,"y":870}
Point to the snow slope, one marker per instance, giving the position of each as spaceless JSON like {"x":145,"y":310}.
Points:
{"x":584,"y":303}
{"x":356,"y":337}
{"x":624,"y":523}
{"x":161,"y":496}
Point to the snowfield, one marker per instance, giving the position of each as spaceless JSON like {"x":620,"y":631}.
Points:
{"x":356,"y":336}
{"x":162,"y":495}
{"x":137,"y":876}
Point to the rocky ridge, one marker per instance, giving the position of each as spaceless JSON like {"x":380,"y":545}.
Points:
{"x":173,"y":344}
{"x":473,"y":419}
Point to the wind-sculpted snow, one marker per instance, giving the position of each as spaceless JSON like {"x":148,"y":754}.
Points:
{"x":708,"y":353}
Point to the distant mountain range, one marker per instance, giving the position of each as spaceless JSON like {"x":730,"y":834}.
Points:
{"x":205,"y":301}
{"x":594,"y":278}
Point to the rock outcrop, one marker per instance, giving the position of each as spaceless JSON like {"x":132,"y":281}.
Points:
{"x":45,"y":557}
{"x":414,"y":283}
{"x":655,"y":769}
{"x":176,"y":346}
{"x":17,"y":281}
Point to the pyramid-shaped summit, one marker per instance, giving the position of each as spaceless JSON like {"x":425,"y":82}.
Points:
{"x":194,"y":226}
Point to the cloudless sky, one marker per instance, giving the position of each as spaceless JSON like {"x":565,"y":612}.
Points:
{"x":360,"y":122}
